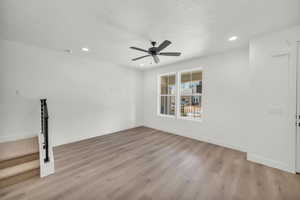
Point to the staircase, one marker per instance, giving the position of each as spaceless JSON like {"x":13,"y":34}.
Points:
{"x":19,"y":161}
{"x":27,"y":158}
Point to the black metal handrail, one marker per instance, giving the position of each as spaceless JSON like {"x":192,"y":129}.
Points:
{"x":44,"y":128}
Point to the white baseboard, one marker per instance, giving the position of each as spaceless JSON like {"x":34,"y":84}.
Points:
{"x":77,"y":139}
{"x":15,"y":137}
{"x":269,"y":162}
{"x":208,"y":140}
{"x":220,"y":143}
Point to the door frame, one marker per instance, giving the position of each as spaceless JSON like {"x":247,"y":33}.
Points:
{"x":297,"y":154}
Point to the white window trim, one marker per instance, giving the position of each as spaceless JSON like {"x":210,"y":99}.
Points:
{"x":179,"y":96}
{"x":159,"y":95}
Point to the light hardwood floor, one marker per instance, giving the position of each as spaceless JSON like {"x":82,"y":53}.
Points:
{"x":146,"y":164}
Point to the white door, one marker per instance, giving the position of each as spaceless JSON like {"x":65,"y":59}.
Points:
{"x":298,"y":111}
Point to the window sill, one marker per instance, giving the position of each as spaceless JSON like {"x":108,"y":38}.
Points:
{"x":180,"y":118}
{"x":167,"y":116}
{"x":190,"y":119}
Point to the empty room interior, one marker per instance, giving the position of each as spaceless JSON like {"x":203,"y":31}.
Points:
{"x":150,"y":100}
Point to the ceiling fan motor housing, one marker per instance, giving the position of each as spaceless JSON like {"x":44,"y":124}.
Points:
{"x":153,"y":50}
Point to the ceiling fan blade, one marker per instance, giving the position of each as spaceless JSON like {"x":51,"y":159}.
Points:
{"x":139,"y":49}
{"x":163,"y":45}
{"x":156,"y":59}
{"x":140,"y":57}
{"x":170,"y":54}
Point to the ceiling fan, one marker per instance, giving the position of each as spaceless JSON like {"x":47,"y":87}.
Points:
{"x":156,"y":51}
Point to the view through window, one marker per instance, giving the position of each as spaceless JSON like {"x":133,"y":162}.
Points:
{"x":167,"y":94}
{"x":189,"y":94}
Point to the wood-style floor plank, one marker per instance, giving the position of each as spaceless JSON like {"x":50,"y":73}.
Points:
{"x":144,"y":164}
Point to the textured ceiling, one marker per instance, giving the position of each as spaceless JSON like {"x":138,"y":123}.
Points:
{"x":109,"y":27}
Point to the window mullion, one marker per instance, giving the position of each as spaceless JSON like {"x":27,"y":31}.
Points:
{"x":177,"y":94}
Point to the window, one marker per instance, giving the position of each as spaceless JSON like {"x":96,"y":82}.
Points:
{"x":188,"y":91}
{"x":190,"y":94}
{"x":167,"y":94}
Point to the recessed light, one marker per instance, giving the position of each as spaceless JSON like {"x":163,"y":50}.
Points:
{"x":141,"y":64}
{"x":232,"y":38}
{"x":84,"y":49}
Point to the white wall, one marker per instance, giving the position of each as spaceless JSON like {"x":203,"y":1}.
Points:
{"x":86,"y":98}
{"x":225,"y":102}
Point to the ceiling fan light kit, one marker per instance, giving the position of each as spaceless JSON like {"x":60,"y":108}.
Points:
{"x":156,"y":51}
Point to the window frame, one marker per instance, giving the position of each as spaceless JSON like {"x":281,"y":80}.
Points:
{"x":177,"y":94}
{"x":178,"y":103}
{"x":170,"y":95}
